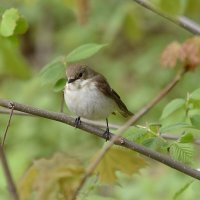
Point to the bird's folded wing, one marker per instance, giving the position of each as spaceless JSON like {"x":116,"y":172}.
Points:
{"x":105,"y":88}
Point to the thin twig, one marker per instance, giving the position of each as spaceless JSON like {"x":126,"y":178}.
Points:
{"x":176,"y":137}
{"x":9,"y":179}
{"x":124,"y":127}
{"x":6,"y":170}
{"x":8,"y":124}
{"x":182,"y":21}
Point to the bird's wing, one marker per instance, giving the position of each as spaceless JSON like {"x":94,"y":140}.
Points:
{"x":105,"y":88}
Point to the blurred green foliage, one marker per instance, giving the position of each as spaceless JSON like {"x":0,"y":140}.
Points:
{"x":12,"y":23}
{"x":130,"y":62}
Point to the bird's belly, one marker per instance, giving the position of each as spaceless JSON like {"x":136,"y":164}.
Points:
{"x":89,"y":103}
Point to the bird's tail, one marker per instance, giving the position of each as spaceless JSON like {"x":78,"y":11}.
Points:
{"x":123,"y":110}
{"x":126,"y":113}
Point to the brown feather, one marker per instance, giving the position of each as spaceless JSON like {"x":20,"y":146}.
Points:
{"x":105,"y":88}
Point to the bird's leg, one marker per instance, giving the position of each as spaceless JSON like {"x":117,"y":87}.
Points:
{"x":107,"y":132}
{"x":77,"y":121}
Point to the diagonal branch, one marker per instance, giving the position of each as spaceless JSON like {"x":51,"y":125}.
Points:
{"x":181,"y":21}
{"x":100,"y":133}
{"x":100,"y":124}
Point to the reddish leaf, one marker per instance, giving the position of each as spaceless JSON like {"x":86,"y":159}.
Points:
{"x":191,"y":48}
{"x":171,"y":54}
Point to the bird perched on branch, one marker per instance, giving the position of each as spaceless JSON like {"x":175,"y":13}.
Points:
{"x":88,"y":95}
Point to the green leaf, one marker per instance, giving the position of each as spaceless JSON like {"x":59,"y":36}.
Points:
{"x":154,"y":127}
{"x":132,"y":29}
{"x":173,"y":127}
{"x":137,"y":134}
{"x":22,"y":26}
{"x":83,"y":52}
{"x":149,"y":142}
{"x":182,"y":152}
{"x":9,"y":22}
{"x":193,"y":104}
{"x":118,"y":159}
{"x":97,"y":197}
{"x":12,"y":23}
{"x":50,"y":178}
{"x":195,"y":120}
{"x":195,"y":95}
{"x":181,"y":190}
{"x":173,"y":7}
{"x":194,"y":99}
{"x":172,"y":107}
{"x":59,"y":85}
{"x":187,"y":137}
{"x":155,"y":143}
{"x":53,"y":71}
{"x":12,"y":62}
{"x":115,"y":22}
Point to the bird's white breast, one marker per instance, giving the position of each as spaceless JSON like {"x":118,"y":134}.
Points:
{"x":85,"y":100}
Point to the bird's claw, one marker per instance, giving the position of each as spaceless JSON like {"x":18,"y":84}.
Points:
{"x":107,"y":135}
{"x":77,"y":122}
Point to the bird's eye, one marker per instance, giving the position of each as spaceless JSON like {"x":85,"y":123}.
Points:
{"x":80,"y":75}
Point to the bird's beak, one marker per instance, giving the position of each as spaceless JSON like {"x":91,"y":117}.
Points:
{"x":71,"y":80}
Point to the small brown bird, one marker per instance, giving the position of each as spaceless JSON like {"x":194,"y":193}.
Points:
{"x":88,"y":95}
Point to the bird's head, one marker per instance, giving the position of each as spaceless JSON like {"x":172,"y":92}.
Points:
{"x":79,"y":72}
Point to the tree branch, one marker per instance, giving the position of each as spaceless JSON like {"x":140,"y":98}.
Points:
{"x":181,"y":21}
{"x":100,"y":124}
{"x":100,"y":133}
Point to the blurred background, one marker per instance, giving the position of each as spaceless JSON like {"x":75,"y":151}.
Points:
{"x":130,"y":62}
